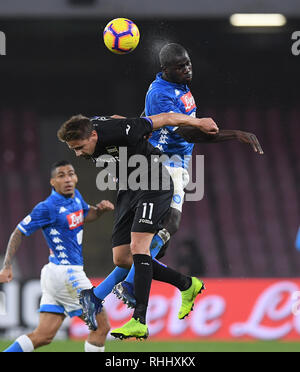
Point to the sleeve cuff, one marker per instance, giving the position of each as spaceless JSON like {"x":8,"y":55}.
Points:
{"x":150,"y":121}
{"x":21,"y":228}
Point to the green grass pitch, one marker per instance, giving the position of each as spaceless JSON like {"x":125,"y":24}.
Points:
{"x":172,"y":346}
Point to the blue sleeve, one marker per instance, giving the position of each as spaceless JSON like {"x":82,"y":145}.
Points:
{"x":158,"y":102}
{"x":40,"y":217}
{"x":85,"y":206}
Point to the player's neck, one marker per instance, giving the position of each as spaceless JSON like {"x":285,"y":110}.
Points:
{"x":68,"y":196}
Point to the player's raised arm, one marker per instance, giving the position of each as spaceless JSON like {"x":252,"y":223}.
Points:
{"x":95,"y":212}
{"x":206,"y":125}
{"x":194,"y":135}
{"x":6,"y":274}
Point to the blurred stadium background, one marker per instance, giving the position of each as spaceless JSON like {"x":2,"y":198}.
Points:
{"x":56,"y":65}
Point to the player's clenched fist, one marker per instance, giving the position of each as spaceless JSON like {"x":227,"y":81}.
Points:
{"x":105,"y":206}
{"x":208,"y":126}
{"x":6,"y":275}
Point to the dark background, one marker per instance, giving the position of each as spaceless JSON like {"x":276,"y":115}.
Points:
{"x":245,"y":79}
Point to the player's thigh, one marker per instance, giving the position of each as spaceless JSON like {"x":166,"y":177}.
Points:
{"x":122,"y":255}
{"x":123,"y":219}
{"x":180,"y":178}
{"x":152,"y":208}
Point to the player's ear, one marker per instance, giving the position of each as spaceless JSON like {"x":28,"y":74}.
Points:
{"x":94,"y":134}
{"x":52,"y":182}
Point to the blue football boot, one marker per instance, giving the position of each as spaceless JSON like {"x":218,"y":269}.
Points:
{"x":124,"y":291}
{"x":91,"y":306}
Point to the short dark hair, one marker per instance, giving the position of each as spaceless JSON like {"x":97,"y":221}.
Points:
{"x":57,"y":164}
{"x":76,"y":128}
{"x":169,"y":53}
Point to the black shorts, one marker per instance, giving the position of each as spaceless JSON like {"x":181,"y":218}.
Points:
{"x":140,"y":211}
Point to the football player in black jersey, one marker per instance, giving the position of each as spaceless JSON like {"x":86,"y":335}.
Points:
{"x":139,"y":213}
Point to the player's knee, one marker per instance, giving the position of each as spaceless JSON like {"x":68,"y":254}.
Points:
{"x":124,"y":262}
{"x":173,"y":221}
{"x":137,"y":248}
{"x":176,"y":225}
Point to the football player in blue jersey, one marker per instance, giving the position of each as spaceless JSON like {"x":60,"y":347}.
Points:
{"x":170,"y":92}
{"x":61,"y":217}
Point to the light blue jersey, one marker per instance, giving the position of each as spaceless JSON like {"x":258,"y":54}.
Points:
{"x":61,"y":220}
{"x":164,"y":96}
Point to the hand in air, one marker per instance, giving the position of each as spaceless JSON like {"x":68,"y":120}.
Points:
{"x":250,"y":138}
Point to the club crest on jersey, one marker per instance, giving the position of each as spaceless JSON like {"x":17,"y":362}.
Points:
{"x":75,"y":219}
{"x":188,"y":101}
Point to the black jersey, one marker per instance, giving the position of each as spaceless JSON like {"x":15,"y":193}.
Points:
{"x":130,"y":133}
{"x":117,"y":137}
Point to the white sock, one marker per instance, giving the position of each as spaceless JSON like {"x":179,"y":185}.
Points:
{"x":89,"y":348}
{"x":25,"y":343}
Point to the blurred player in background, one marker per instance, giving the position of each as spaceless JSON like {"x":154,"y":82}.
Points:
{"x":170,"y":92}
{"x":61,"y":216}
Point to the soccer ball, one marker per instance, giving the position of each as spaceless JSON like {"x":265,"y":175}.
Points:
{"x":121,"y":36}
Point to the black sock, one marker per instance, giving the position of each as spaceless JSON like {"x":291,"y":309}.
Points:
{"x":165,"y":274}
{"x":142,"y":284}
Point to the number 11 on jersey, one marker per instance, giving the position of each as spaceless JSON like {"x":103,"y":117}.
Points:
{"x":145,"y":210}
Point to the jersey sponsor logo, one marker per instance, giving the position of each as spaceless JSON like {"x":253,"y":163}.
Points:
{"x":188,"y":101}
{"x":75,"y":219}
{"x":144,"y":220}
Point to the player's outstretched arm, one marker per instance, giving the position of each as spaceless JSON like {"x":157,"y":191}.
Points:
{"x":6,"y":274}
{"x":206,"y":125}
{"x":95,"y":212}
{"x":193,"y":135}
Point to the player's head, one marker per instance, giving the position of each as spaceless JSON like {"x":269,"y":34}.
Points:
{"x":175,"y":64}
{"x":63,"y":178}
{"x":79,"y":134}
